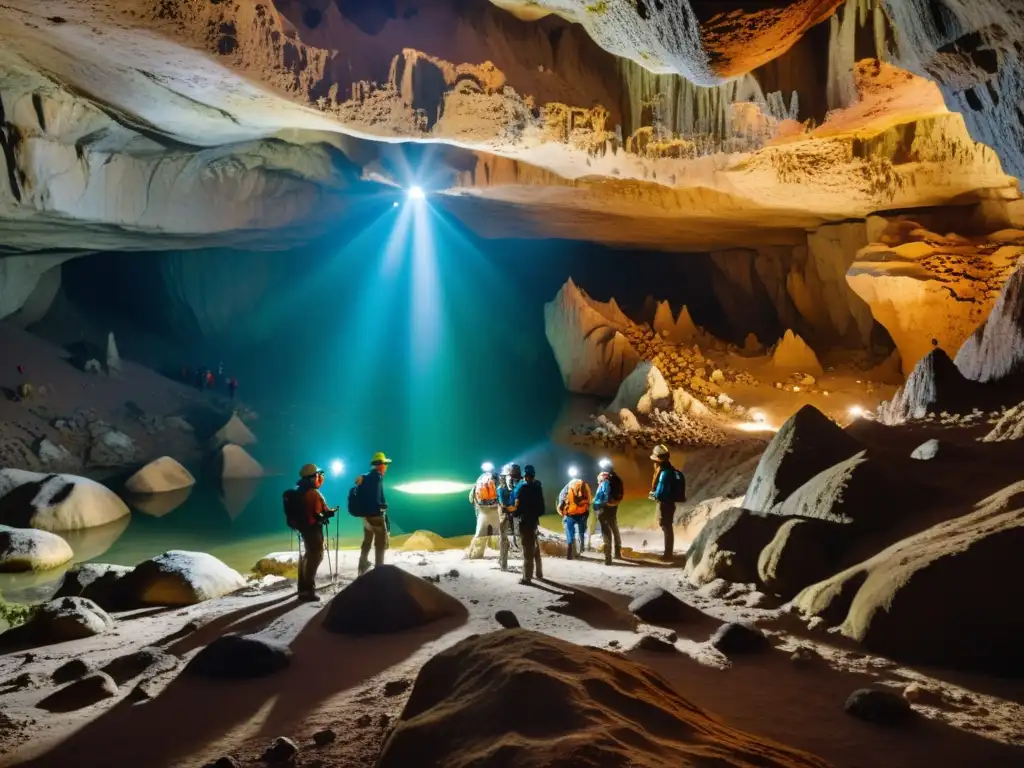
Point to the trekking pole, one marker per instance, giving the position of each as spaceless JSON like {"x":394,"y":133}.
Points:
{"x":327,"y":547}
{"x":337,"y":544}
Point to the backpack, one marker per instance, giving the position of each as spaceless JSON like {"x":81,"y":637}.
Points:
{"x":294,"y":511}
{"x":580,"y":498}
{"x":678,"y":486}
{"x":529,"y":502}
{"x":486,"y":490}
{"x":615,"y":489}
{"x":356,"y":507}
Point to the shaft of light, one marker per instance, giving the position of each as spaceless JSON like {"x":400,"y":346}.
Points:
{"x":433,"y":487}
{"x":417,"y":193}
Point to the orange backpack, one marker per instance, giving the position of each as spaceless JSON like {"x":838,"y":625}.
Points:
{"x":486,"y":490}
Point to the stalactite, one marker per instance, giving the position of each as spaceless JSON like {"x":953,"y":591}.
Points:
{"x":842,"y":47}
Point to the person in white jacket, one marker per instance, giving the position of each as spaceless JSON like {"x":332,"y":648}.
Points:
{"x":484,"y":498}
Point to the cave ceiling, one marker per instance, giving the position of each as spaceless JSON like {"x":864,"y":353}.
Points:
{"x":669,"y":124}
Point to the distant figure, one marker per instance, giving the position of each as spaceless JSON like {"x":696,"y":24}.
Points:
{"x":209,"y":380}
{"x":220,"y":370}
{"x":21,"y":369}
{"x":199,"y":379}
{"x":511,"y":475}
{"x":606,"y":505}
{"x":573,"y":506}
{"x":307,"y":512}
{"x":529,"y":507}
{"x":24,"y":391}
{"x":484,"y":498}
{"x":232,"y":387}
{"x":668,"y":488}
{"x":366,"y":500}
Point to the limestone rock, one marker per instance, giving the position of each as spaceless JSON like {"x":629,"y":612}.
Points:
{"x":791,"y":354}
{"x":878,"y":706}
{"x":20,"y":277}
{"x":933,"y":386}
{"x":160,"y":476}
{"x":94,"y":581}
{"x":628,"y":421}
{"x":586,"y":337}
{"x":642,"y":391}
{"x":994,"y":353}
{"x":26,"y":549}
{"x":927,"y":450}
{"x":60,"y":620}
{"x":131,"y":665}
{"x":113,"y":358}
{"x":71,"y":670}
{"x":388,"y":599}
{"x":112,"y":448}
{"x":235,"y":432}
{"x":233,"y":463}
{"x":679,"y":330}
{"x":281,"y":750}
{"x":56,"y":502}
{"x":806,"y":444}
{"x":55,"y":455}
{"x":178,"y":424}
{"x":658,"y":606}
{"x":179,"y":577}
{"x":83,"y":693}
{"x":736,"y":638}
{"x":897,"y":602}
{"x":800,"y":554}
{"x":729,"y":546}
{"x":1009,"y":427}
{"x":450,"y":717}
{"x":654,"y":644}
{"x":240,"y":657}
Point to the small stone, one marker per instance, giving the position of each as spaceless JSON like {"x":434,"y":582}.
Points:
{"x":613,"y":643}
{"x":72,"y":670}
{"x":655,"y":643}
{"x":804,"y":655}
{"x":364,"y":721}
{"x":507,"y":619}
{"x":879,"y":707}
{"x":396,"y":687}
{"x":453,"y":574}
{"x":324,"y":737}
{"x":83,"y":693}
{"x":919,"y":694}
{"x":739,"y":638}
{"x":384,"y":720}
{"x":280,"y":751}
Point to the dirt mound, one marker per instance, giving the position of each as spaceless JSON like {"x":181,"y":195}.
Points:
{"x":935,"y":385}
{"x":388,"y":599}
{"x":425,"y":541}
{"x":995,"y":352}
{"x":946,"y":595}
{"x":521,"y":698}
{"x":807,"y":443}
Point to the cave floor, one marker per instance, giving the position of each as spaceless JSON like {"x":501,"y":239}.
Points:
{"x":336,"y":682}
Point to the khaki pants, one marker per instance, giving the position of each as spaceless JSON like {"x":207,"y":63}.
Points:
{"x":608,"y":518}
{"x":666,"y":513}
{"x":375,"y":534}
{"x":531,"y":551}
{"x":313,"y":544}
{"x":485,"y":516}
{"x":504,"y":534}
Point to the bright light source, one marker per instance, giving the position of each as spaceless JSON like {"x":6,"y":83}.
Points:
{"x":856,"y":411}
{"x":416,"y":193}
{"x":751,"y":426}
{"x":757,"y":416}
{"x":394,"y":204}
{"x":604,"y":463}
{"x":433,"y":487}
{"x":487,"y":466}
{"x":573,"y":471}
{"x":337,"y":467}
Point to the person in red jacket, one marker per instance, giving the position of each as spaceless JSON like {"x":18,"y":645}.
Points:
{"x":312,"y":515}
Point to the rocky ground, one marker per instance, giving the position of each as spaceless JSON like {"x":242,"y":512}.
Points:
{"x":792,"y":693}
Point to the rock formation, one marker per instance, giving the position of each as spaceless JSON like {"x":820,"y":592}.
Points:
{"x":234,"y":431}
{"x":792,"y":355}
{"x":623,"y":713}
{"x":1009,"y":427}
{"x":994,"y":353}
{"x":591,"y":351}
{"x":178,"y":577}
{"x":25,"y":549}
{"x":935,"y":385}
{"x":160,"y":476}
{"x":56,"y":502}
{"x":233,"y":463}
{"x":678,"y":330}
{"x":113,"y":357}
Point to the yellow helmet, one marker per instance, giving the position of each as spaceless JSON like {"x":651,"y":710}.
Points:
{"x":379,"y":458}
{"x":310,"y":470}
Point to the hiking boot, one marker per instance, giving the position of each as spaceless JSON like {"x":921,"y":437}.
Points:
{"x":618,"y":554}
{"x":526,"y":582}
{"x":308,"y":597}
{"x":568,"y":555}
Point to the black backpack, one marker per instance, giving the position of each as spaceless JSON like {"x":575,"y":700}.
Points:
{"x":530,"y":502}
{"x":356,"y":501}
{"x":294,"y":509}
{"x":615,"y":489}
{"x":678,"y":486}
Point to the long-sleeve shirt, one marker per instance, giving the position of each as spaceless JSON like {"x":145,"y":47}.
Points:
{"x":604,"y":492}
{"x":529,"y":497}
{"x":507,"y":497}
{"x":313,"y":506}
{"x":663,"y":485}
{"x":372,"y":492}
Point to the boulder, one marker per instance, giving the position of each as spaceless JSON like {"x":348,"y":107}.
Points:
{"x":591,"y":707}
{"x":900,"y":602}
{"x":234,"y":432}
{"x":729,"y":546}
{"x":642,"y":391}
{"x":879,"y":706}
{"x":935,"y":385}
{"x":160,"y":476}
{"x":82,"y":693}
{"x":60,"y":620}
{"x":159,"y":504}
{"x":926,"y":451}
{"x":655,"y":644}
{"x":112,"y":449}
{"x":801,"y":553}
{"x":1009,"y":427}
{"x":586,"y":337}
{"x":737,"y":638}
{"x":71,"y":670}
{"x":628,"y":421}
{"x":94,"y":581}
{"x":26,"y":549}
{"x":131,"y":665}
{"x":56,"y":502}
{"x":178,"y":577}
{"x":659,"y":606}
{"x":55,"y":455}
{"x":240,"y":657}
{"x":793,"y":355}
{"x":994,"y":353}
{"x":281,"y":750}
{"x":388,"y":599}
{"x":507,"y":619}
{"x":233,"y":463}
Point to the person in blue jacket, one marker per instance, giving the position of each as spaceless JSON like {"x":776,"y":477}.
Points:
{"x":665,"y":493}
{"x":511,"y":476}
{"x":606,"y":505}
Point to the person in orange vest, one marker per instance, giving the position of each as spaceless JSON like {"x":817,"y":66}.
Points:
{"x":484,"y":498}
{"x":574,"y":506}
{"x":209,"y":379}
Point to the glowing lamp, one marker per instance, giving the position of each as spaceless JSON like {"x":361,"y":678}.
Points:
{"x":604,"y":463}
{"x":337,"y":467}
{"x":394,"y":204}
{"x":573,"y":471}
{"x":487,"y":467}
{"x":856,"y":411}
{"x":416,"y":193}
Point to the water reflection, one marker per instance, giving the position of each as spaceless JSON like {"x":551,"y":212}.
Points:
{"x":158,"y":504}
{"x":237,"y":495}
